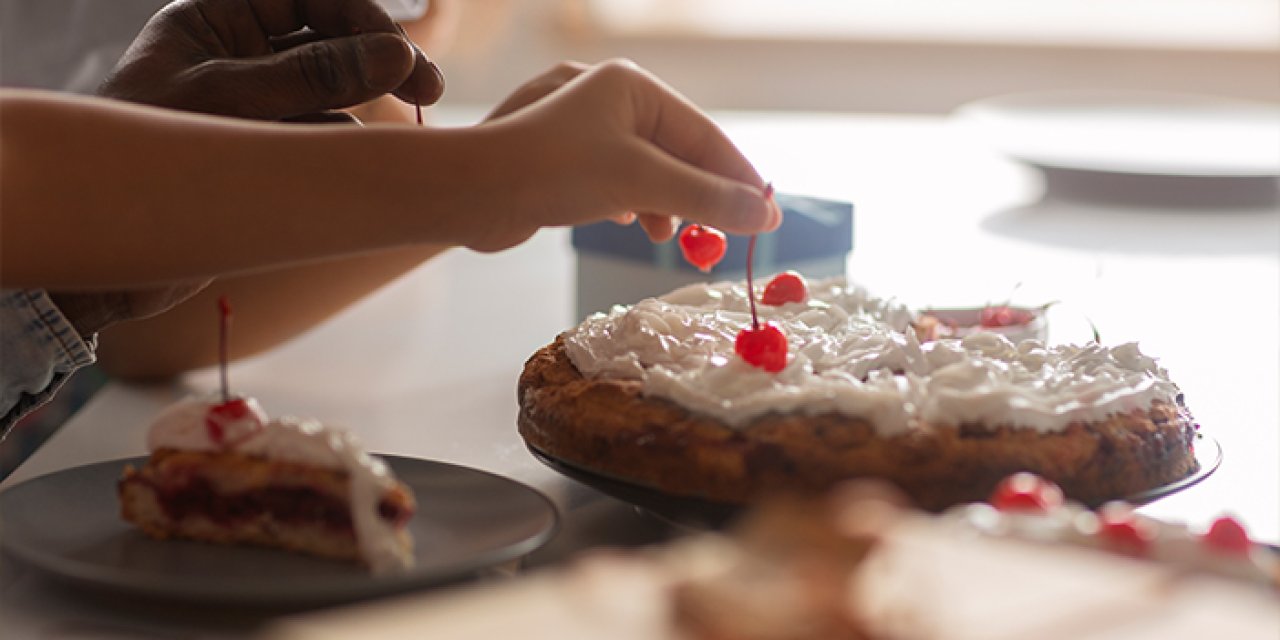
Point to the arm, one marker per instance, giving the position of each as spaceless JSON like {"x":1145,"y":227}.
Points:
{"x":161,"y":196}
{"x":611,"y":141}
{"x":271,"y":307}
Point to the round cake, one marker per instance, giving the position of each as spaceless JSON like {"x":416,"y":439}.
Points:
{"x":654,"y":394}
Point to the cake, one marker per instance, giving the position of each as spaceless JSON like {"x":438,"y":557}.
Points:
{"x":222,"y":472}
{"x":1016,"y":511}
{"x":858,"y":564}
{"x":655,"y":395}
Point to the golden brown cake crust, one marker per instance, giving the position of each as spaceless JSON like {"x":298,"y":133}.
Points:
{"x":609,"y":427}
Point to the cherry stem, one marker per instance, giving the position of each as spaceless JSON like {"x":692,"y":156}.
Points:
{"x":224,"y":329}
{"x":751,"y":289}
{"x":751,"y":254}
{"x":417,"y":106}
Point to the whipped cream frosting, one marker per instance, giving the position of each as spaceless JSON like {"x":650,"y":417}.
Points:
{"x":854,"y":354}
{"x":183,"y":426}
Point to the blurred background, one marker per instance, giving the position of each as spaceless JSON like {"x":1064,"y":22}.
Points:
{"x":916,"y":56}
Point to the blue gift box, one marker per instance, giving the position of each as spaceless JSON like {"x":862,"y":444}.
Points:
{"x":620,"y":265}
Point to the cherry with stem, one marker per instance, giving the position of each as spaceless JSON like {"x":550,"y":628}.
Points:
{"x":231,"y":409}
{"x":751,"y":253}
{"x":224,"y":330}
{"x":764,"y":346}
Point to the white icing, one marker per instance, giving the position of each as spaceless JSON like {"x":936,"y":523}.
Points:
{"x":182,"y":426}
{"x":853,"y":354}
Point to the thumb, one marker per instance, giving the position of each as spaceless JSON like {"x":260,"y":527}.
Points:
{"x":323,"y":75}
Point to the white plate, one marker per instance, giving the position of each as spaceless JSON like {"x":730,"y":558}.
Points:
{"x":68,"y":523}
{"x":1132,"y":132}
{"x":967,"y":321}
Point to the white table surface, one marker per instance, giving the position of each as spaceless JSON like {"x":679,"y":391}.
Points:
{"x":427,"y":367}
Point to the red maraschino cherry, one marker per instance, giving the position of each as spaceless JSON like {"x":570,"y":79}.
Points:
{"x":1027,"y":493}
{"x":221,"y":415}
{"x":230,"y":409}
{"x":785,"y":287}
{"x":1004,"y":316}
{"x":1121,"y":530}
{"x":702,"y":246}
{"x":760,"y":346}
{"x":1227,"y":535}
{"x":764,"y":347}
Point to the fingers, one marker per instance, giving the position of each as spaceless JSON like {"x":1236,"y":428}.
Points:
{"x":674,"y":124}
{"x":658,"y":227}
{"x":538,"y":88}
{"x":682,"y":163}
{"x":325,"y":117}
{"x":246,"y":33}
{"x":425,"y":84}
{"x":313,"y":77}
{"x":659,"y":182}
{"x":329,"y":17}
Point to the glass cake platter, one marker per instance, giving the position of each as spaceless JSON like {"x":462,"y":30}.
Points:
{"x":698,"y":513}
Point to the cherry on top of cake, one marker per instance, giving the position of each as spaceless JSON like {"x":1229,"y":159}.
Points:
{"x":231,"y":422}
{"x":1029,"y":507}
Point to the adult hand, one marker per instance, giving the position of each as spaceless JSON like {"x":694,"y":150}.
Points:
{"x":272,"y":59}
{"x":258,"y":59}
{"x":611,"y":141}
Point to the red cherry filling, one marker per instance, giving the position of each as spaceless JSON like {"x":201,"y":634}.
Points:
{"x":1227,"y":535}
{"x":764,"y":347}
{"x":785,"y":287}
{"x":1121,"y":531}
{"x":1004,"y":316}
{"x":1026,"y":492}
{"x":702,"y":246}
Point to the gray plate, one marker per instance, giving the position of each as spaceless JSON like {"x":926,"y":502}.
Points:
{"x":68,"y":523}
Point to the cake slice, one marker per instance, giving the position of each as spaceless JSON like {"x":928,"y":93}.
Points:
{"x":222,"y":472}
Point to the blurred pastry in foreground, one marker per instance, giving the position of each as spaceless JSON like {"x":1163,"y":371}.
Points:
{"x":856,"y":564}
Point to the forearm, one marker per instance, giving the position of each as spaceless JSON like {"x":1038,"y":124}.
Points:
{"x":128,"y":196}
{"x":271,"y":307}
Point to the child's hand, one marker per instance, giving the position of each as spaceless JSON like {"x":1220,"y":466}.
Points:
{"x":610,"y":141}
